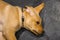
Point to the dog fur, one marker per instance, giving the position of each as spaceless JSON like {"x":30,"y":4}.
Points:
{"x":11,"y":19}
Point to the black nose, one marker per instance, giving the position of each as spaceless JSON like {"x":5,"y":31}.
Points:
{"x":42,"y":33}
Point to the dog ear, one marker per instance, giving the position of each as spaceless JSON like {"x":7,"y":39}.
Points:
{"x":39,"y":8}
{"x":36,"y":9}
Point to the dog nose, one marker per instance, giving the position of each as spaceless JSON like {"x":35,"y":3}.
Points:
{"x":42,"y":33}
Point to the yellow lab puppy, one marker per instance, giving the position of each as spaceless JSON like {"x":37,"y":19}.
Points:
{"x":11,"y":19}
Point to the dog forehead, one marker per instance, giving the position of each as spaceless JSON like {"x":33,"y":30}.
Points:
{"x":30,"y":12}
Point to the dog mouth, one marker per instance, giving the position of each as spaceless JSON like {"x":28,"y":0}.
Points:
{"x":35,"y":32}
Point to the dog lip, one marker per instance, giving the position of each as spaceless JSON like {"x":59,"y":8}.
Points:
{"x":35,"y":32}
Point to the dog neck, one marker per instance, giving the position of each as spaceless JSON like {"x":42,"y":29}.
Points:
{"x":22,"y":17}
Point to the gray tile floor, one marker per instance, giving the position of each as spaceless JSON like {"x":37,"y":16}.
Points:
{"x":51,"y":20}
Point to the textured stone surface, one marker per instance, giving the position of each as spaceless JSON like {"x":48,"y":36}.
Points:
{"x":51,"y":20}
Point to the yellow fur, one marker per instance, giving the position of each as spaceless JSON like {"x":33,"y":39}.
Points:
{"x":11,"y":18}
{"x":31,"y":17}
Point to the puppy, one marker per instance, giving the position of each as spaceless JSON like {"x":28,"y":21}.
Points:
{"x":11,"y":19}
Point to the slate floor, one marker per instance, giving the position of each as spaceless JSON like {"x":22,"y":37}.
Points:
{"x":51,"y":19}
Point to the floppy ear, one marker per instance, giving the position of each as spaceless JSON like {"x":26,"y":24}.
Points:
{"x":39,"y":8}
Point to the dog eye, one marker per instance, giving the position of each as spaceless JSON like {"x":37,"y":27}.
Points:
{"x":37,"y":22}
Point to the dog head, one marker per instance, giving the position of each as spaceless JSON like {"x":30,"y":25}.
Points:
{"x":32,"y":20}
